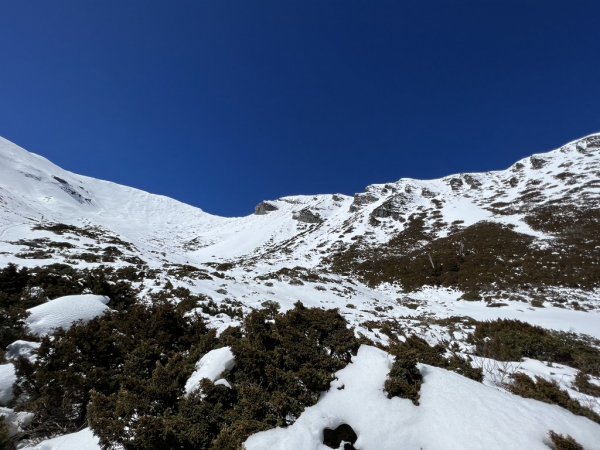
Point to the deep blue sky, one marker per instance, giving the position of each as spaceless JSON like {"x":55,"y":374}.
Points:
{"x":224,"y":103}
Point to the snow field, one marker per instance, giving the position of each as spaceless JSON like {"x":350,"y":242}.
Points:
{"x":8,"y":377}
{"x":455,"y":413}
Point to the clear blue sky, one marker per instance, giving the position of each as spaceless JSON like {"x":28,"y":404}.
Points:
{"x":224,"y":103}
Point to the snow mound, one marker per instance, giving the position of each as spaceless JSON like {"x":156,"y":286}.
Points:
{"x":82,"y":440}
{"x":454,"y":413}
{"x":211,"y":366}
{"x":22,"y":349}
{"x":15,"y":421}
{"x":7,"y":379}
{"x":63,"y":312}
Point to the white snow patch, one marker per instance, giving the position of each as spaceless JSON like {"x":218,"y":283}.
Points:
{"x":463,"y":413}
{"x":63,"y":312}
{"x":7,"y":379}
{"x":22,"y":349}
{"x":211,"y":366}
{"x":82,"y":440}
{"x":15,"y":421}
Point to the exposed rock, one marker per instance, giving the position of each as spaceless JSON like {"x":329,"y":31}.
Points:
{"x":65,"y":186}
{"x":333,"y":438}
{"x":537,"y":163}
{"x":473,"y":182}
{"x":264,"y":208}
{"x":385,"y":210}
{"x":589,"y":144}
{"x":307,"y":216}
{"x":361,"y":200}
{"x":427,"y":193}
{"x":456,"y":183}
{"x":394,"y":207}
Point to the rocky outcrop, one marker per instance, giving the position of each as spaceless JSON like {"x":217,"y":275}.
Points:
{"x":361,"y":200}
{"x":307,"y":216}
{"x":264,"y":208}
{"x":394,"y":207}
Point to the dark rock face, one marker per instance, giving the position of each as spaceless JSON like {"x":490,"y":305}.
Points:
{"x":588,"y":145}
{"x":307,"y":216}
{"x":65,"y":186}
{"x":387,"y":209}
{"x":393,"y":207}
{"x":472,"y":181}
{"x":264,"y":208}
{"x":344,"y":433}
{"x":456,"y":183}
{"x":361,"y":200}
{"x":538,"y":163}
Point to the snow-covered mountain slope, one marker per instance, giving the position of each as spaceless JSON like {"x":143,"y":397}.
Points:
{"x":530,"y":232}
{"x":426,"y":257}
{"x":33,"y":190}
{"x":302,"y":228}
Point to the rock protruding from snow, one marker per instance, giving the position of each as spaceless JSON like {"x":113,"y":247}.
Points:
{"x":63,"y":312}
{"x":264,"y":208}
{"x":212,"y":366}
{"x":362,"y":200}
{"x":307,"y":216}
{"x":7,"y":380}
{"x":465,"y":414}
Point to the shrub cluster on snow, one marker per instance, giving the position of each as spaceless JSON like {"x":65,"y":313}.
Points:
{"x":130,"y":382}
{"x":153,"y":375}
{"x":482,"y":256}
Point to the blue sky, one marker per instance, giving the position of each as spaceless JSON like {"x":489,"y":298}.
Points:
{"x":222,"y":104}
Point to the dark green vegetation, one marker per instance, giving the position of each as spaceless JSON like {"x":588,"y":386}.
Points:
{"x":24,"y":288}
{"x":484,"y":256}
{"x":511,"y":340}
{"x":102,"y":355}
{"x":583,"y":385}
{"x":418,"y":349}
{"x":548,"y":392}
{"x":404,"y":379}
{"x":124,"y":375}
{"x":5,"y":441}
{"x":12,"y":283}
{"x":564,"y":442}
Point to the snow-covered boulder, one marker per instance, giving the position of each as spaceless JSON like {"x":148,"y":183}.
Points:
{"x":63,"y":312}
{"x":212,"y":365}
{"x":7,"y":379}
{"x":22,"y":349}
{"x":454,"y":412}
{"x":15,"y":421}
{"x":82,"y":440}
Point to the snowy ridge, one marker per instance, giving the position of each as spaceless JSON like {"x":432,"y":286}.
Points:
{"x":32,"y":188}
